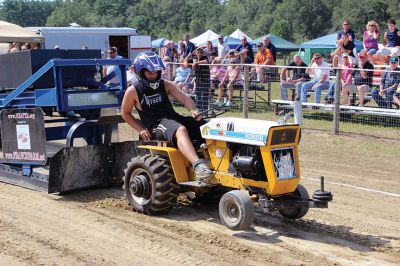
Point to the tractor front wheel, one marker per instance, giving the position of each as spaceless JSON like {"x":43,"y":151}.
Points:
{"x":150,"y":185}
{"x":236,"y":210}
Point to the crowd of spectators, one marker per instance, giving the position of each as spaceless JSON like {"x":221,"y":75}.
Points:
{"x":359,"y":76}
{"x":199,"y":71}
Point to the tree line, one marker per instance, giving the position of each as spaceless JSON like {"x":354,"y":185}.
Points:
{"x":293,"y":20}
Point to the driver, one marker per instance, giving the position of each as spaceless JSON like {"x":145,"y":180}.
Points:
{"x":149,"y":94}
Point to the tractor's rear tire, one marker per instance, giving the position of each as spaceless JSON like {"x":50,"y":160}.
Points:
{"x":236,"y":210}
{"x":294,"y":213}
{"x":150,"y":185}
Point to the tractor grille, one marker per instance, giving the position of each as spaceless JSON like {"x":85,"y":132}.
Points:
{"x":284,"y":164}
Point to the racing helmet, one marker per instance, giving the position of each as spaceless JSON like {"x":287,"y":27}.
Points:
{"x":149,"y":61}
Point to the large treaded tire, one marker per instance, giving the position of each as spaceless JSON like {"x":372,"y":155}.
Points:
{"x":236,"y":210}
{"x":297,"y":212}
{"x":162,"y":189}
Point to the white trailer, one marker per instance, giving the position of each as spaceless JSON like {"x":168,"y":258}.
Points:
{"x":128,"y":42}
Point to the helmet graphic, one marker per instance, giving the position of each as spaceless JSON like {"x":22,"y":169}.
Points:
{"x":151,"y":62}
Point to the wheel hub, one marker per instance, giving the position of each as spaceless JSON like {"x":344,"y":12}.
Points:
{"x":233,"y":211}
{"x":139,"y":186}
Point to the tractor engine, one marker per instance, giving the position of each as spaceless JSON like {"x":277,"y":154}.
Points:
{"x":248,"y":163}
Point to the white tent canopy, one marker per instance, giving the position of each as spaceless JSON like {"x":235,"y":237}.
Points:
{"x":13,"y":33}
{"x":209,"y":35}
{"x":238,"y":34}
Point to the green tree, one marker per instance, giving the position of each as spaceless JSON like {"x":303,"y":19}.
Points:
{"x":70,"y":11}
{"x":26,"y":13}
{"x":359,"y":13}
{"x":281,"y":28}
{"x":308,"y":19}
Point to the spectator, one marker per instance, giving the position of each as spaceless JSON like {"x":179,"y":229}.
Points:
{"x":389,"y":82}
{"x":170,"y":52}
{"x":130,"y":75}
{"x":319,"y":70}
{"x":15,"y":47}
{"x":181,"y":50}
{"x":85,"y":47}
{"x":217,"y":74}
{"x":396,"y":97}
{"x":298,"y":78}
{"x":107,"y":70}
{"x":391,"y":42}
{"x":222,"y":47}
{"x":363,"y":78}
{"x":347,"y":79}
{"x":345,"y":42}
{"x":370,"y":39}
{"x":165,"y":73}
{"x":263,"y":57}
{"x":210,"y":51}
{"x":245,"y":51}
{"x":26,"y":47}
{"x":189,"y":46}
{"x":231,"y":54}
{"x":233,"y":78}
{"x":202,"y":74}
{"x":182,"y":74}
{"x":268,"y":45}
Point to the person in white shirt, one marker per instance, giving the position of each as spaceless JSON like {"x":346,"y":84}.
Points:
{"x":319,"y":71}
{"x":113,"y":54}
{"x":223,"y":48}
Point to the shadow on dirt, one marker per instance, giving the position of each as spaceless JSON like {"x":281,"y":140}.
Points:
{"x":268,"y":227}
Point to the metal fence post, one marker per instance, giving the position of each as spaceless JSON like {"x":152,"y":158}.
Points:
{"x":246,"y":92}
{"x":171,"y":71}
{"x":336,"y":110}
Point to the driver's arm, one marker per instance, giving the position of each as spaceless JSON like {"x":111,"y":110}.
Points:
{"x":172,"y":90}
{"x":128,"y":102}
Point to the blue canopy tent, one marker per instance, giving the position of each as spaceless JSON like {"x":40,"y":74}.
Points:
{"x":322,"y":44}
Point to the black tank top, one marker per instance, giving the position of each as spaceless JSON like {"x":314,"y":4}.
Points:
{"x":155,"y":104}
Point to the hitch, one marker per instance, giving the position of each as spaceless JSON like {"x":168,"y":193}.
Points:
{"x":322,"y":195}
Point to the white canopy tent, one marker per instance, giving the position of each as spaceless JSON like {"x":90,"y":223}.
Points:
{"x":209,"y":35}
{"x":238,"y":34}
{"x":13,"y":33}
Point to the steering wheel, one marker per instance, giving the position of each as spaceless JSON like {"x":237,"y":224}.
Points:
{"x":213,"y":112}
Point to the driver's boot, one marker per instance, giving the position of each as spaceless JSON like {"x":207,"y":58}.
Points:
{"x":203,"y":173}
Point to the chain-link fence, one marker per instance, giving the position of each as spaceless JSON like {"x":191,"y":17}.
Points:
{"x":344,"y":99}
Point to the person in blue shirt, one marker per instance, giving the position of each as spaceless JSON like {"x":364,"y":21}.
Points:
{"x":245,"y":51}
{"x":182,"y":74}
{"x":268,"y":45}
{"x":390,"y":80}
{"x":189,"y":46}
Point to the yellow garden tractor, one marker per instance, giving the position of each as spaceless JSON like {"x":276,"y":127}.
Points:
{"x":255,"y":162}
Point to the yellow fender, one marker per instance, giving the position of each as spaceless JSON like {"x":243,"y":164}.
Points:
{"x":178,"y":162}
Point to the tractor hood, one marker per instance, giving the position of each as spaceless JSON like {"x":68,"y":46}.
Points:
{"x":238,"y":130}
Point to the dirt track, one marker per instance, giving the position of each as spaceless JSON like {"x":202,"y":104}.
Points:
{"x":97,"y":227}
